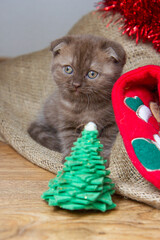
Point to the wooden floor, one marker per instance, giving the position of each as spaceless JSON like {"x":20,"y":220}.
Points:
{"x":24,"y":216}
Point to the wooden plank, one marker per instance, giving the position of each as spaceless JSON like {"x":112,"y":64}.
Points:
{"x":24,"y":216}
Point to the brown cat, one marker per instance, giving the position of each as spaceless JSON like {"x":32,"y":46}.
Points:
{"x":84,"y":68}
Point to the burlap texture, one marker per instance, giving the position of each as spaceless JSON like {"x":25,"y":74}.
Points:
{"x":25,"y":83}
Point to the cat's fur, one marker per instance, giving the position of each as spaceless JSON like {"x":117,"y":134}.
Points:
{"x":79,"y":99}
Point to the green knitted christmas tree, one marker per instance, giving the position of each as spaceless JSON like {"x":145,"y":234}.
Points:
{"x":83,"y":183}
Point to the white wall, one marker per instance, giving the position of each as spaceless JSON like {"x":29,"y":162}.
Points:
{"x":30,"y":25}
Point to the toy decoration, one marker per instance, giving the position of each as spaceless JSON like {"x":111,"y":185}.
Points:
{"x":135,"y":98}
{"x":83,"y":183}
{"x":140,"y":18}
{"x":155,"y":109}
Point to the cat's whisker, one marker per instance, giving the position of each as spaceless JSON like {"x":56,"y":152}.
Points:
{"x":88,"y":102}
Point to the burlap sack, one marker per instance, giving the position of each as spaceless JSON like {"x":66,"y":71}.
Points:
{"x":25,"y":83}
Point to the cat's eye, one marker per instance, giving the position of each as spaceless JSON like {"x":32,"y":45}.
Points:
{"x":68,"y":69}
{"x":92,"y":74}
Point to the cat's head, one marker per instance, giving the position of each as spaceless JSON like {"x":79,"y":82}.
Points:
{"x":86,"y":65}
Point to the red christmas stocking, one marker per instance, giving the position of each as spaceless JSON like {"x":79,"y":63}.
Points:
{"x":131,"y":97}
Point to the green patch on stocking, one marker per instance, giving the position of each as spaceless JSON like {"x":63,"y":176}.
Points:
{"x":147,"y":153}
{"x":133,"y":102}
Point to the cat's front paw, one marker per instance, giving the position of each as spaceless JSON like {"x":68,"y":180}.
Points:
{"x":45,"y":135}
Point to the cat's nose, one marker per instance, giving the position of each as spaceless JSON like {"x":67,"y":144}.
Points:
{"x":76,"y":84}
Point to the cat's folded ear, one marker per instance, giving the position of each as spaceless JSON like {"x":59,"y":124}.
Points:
{"x":58,"y":44}
{"x":115,"y":52}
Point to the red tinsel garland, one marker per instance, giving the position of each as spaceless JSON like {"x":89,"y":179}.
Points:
{"x":141,"y":18}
